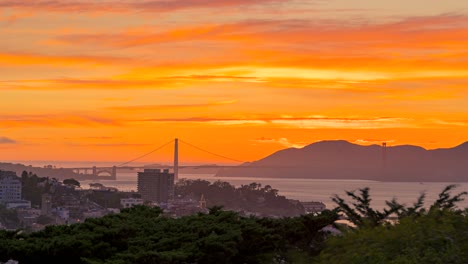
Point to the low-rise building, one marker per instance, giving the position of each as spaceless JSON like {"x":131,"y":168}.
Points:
{"x":130,"y":202}
{"x":18,"y":204}
{"x":62,"y":213}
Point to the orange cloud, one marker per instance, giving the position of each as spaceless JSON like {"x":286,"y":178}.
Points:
{"x":423,"y":47}
{"x":301,"y":122}
{"x":9,"y":59}
{"x":281,"y":141}
{"x":173,"y":107}
{"x":119,"y":82}
{"x":373,"y":141}
{"x":126,"y":5}
{"x":14,"y":121}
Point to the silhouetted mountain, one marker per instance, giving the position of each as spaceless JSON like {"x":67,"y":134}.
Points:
{"x":344,"y":160}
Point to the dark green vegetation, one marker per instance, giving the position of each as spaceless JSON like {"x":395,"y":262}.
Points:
{"x":397,"y":234}
{"x":33,"y":187}
{"x":142,"y":235}
{"x":71,"y":182}
{"x":250,"y":198}
{"x":109,"y":199}
{"x":9,"y":217}
{"x":435,"y":235}
{"x":440,"y":236}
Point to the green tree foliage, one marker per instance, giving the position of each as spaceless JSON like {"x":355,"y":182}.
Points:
{"x":360,"y":213}
{"x":252,"y":197}
{"x":108,"y":199}
{"x":143,"y":235}
{"x":71,"y":182}
{"x":33,"y":187}
{"x":8,"y":217}
{"x":44,"y":220}
{"x":440,"y":236}
{"x":436,"y":235}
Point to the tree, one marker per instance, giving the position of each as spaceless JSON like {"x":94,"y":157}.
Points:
{"x":249,"y":198}
{"x":72,"y":182}
{"x":436,"y":237}
{"x":33,"y":187}
{"x":44,"y":220}
{"x":143,"y":235}
{"x":361,"y":214}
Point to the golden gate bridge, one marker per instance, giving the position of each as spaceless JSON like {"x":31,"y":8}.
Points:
{"x":110,"y":172}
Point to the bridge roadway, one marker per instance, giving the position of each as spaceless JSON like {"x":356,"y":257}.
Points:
{"x":110,"y":173}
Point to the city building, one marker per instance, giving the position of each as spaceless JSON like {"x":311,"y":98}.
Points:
{"x":130,"y":202}
{"x":10,"y":187}
{"x":155,"y":185}
{"x":46,"y":207}
{"x":62,"y":213}
{"x":18,"y":204}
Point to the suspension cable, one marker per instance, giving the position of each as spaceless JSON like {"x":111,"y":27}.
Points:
{"x":209,"y":152}
{"x":144,"y":155}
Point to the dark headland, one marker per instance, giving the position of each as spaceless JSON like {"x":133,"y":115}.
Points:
{"x":344,"y":160}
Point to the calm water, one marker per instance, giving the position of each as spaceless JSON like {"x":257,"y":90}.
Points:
{"x":316,"y":189}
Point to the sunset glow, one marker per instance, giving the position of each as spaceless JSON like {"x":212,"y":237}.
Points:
{"x":110,"y":80}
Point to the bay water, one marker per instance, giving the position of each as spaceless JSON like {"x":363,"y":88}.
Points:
{"x":316,"y":189}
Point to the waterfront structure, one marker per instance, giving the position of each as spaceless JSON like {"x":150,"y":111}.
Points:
{"x":155,"y":185}
{"x":130,"y":202}
{"x":10,"y":187}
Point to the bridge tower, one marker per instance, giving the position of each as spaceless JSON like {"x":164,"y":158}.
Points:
{"x":384,"y":154}
{"x":114,"y":173}
{"x":176,"y":160}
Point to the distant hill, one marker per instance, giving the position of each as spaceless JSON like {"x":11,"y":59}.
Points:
{"x":344,"y":160}
{"x":58,"y":173}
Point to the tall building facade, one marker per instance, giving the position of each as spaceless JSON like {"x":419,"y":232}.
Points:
{"x":46,"y":206}
{"x":10,"y":187}
{"x":156,"y":185}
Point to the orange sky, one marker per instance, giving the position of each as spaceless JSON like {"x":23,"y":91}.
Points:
{"x":110,"y":80}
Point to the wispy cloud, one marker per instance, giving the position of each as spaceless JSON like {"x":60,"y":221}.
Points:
{"x":368,"y":141}
{"x":163,"y":82}
{"x":42,"y":59}
{"x":281,"y":141}
{"x":118,"y":144}
{"x":6,"y":140}
{"x":310,"y":122}
{"x":45,"y":120}
{"x":160,"y":107}
{"x":429,"y":35}
{"x":125,"y":5}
